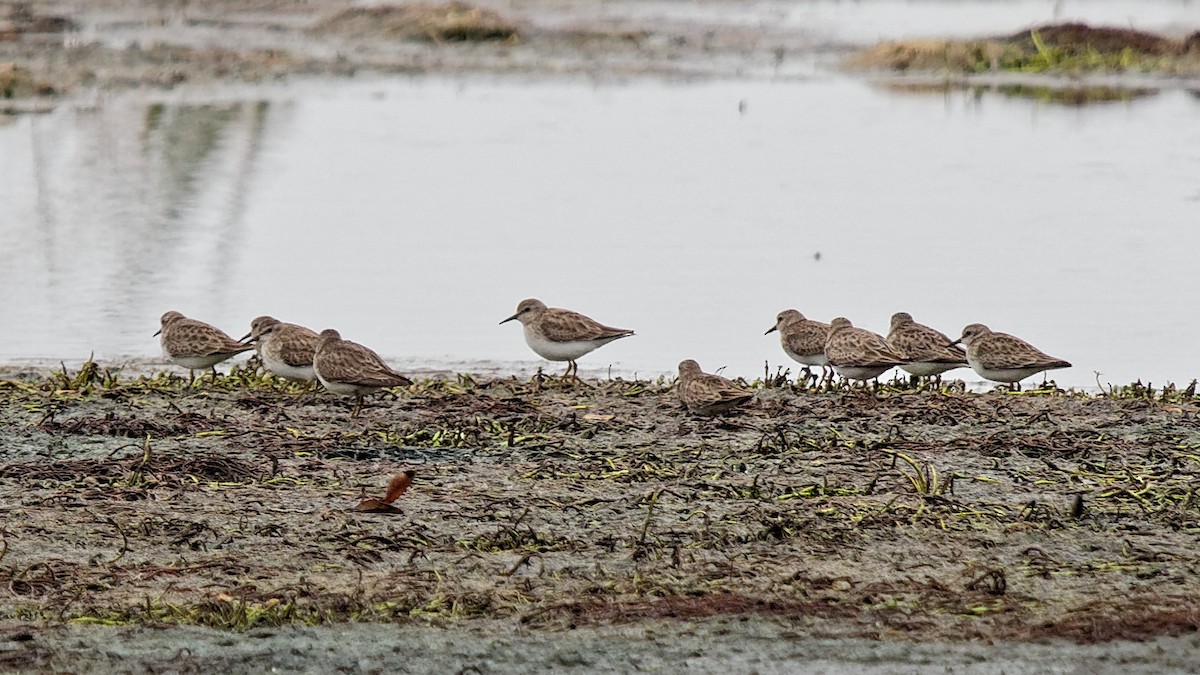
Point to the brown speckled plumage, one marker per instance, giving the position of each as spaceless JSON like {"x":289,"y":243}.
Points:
{"x":346,"y":364}
{"x":1001,"y":357}
{"x":194,"y":344}
{"x":927,"y":350}
{"x":707,"y":394}
{"x":286,"y":349}
{"x":559,"y":334}
{"x":857,"y":353}
{"x":803,"y":339}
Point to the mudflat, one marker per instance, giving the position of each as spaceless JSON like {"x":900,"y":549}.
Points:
{"x":543,"y":507}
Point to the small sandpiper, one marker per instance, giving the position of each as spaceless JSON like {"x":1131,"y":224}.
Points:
{"x":348,"y":368}
{"x":562,"y":335}
{"x":803,"y":340}
{"x":928,"y":350}
{"x":196,"y":345}
{"x":857,"y":353}
{"x":285,"y":349}
{"x":707,"y":394}
{"x":1001,"y":357}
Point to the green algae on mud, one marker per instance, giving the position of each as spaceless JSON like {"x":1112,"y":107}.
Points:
{"x":924,"y":515}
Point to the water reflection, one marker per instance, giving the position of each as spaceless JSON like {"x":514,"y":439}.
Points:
{"x":1069,"y":95}
{"x":115,"y":204}
{"x":413,"y":215}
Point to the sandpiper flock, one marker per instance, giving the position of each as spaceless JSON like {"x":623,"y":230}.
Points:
{"x":856,"y":354}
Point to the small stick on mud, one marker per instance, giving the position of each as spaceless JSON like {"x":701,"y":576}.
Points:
{"x":124,"y":540}
{"x":992,"y":581}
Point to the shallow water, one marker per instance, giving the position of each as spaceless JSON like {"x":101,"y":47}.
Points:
{"x":413,"y":215}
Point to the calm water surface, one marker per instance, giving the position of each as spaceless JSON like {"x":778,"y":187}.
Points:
{"x":413,"y":215}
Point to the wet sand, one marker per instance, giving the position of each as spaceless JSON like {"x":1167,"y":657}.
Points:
{"x":716,"y":645}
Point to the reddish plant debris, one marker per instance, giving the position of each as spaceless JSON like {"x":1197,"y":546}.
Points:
{"x":396,"y":488}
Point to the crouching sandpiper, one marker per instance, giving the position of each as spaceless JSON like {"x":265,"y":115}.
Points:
{"x":348,"y":368}
{"x":707,"y":394}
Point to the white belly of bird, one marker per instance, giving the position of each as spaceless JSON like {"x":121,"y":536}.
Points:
{"x":561,"y":351}
{"x":808,"y":359}
{"x":928,"y":368}
{"x":282,"y":369}
{"x":344,"y":388}
{"x":1008,"y":375}
{"x":860,"y":372}
{"x":197,"y":362}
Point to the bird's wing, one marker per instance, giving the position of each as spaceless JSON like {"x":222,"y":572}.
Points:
{"x":926,"y":344}
{"x":1002,"y":351}
{"x":296,"y":346}
{"x":202,"y":339}
{"x":354,"y":363}
{"x":861,"y":348}
{"x":707,"y":389}
{"x":563,"y":325}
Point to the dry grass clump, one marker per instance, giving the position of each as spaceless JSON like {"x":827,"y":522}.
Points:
{"x":451,"y":22}
{"x":1057,"y":47}
{"x":937,"y":55}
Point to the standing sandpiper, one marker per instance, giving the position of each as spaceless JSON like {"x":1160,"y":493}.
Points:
{"x":803,"y":340}
{"x":196,"y":345}
{"x":562,"y":335}
{"x":707,"y":394}
{"x":857,"y":353}
{"x":346,"y":367}
{"x":285,"y":348}
{"x":928,"y":351}
{"x":1001,"y":357}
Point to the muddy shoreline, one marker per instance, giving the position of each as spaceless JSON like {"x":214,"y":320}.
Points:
{"x":73,"y":49}
{"x":103,"y":46}
{"x":541,"y":506}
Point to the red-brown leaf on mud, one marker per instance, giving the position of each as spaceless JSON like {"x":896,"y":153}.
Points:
{"x":396,"y":488}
